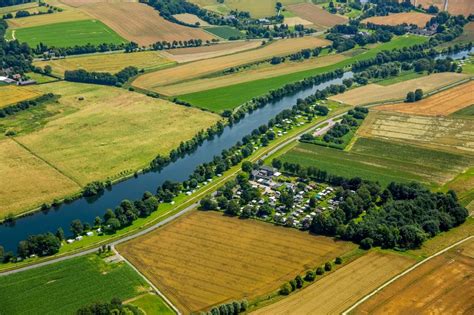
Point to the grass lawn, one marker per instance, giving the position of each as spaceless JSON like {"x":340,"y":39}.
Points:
{"x":64,"y":287}
{"x":68,"y":34}
{"x":225,"y":32}
{"x":232,"y":96}
{"x":40,"y":78}
{"x":152,"y":304}
{"x":404,"y":76}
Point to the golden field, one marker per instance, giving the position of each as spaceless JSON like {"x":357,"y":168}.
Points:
{"x":12,"y":94}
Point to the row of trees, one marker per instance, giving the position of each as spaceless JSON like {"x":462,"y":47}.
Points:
{"x":7,"y":3}
{"x":24,"y":105}
{"x":231,"y":308}
{"x":103,"y":78}
{"x":414,"y":96}
{"x":115,"y":307}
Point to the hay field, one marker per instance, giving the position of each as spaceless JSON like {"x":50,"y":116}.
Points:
{"x":336,"y":292}
{"x":374,"y":93}
{"x":255,"y":73}
{"x":455,"y":7}
{"x":141,"y":23}
{"x":417,"y":18}
{"x":190,"y":19}
{"x":440,"y":104}
{"x":12,"y":94}
{"x":322,"y":19}
{"x":203,"y":67}
{"x":99,"y":138}
{"x":450,"y":134}
{"x":112,"y":63}
{"x":18,"y":7}
{"x":27,"y":181}
{"x":206,"y":258}
{"x":182,"y":55}
{"x":444,"y":285}
{"x":296,"y":20}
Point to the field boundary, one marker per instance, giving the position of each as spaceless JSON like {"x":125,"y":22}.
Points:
{"x":157,"y":291}
{"x":383,"y":286}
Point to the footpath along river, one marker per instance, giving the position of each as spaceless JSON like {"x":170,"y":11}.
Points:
{"x":86,"y":209}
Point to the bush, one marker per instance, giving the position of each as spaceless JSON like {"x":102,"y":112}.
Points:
{"x":327,"y":266}
{"x":319,"y":271}
{"x":366,"y":243}
{"x":285,"y":289}
{"x":338,"y":261}
{"x":310,"y":276}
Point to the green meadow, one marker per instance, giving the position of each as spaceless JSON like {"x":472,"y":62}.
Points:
{"x":68,"y":34}
{"x":229,"y":97}
{"x":225,"y":32}
{"x":64,"y":287}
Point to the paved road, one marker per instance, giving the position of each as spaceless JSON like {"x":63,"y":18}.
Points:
{"x":365,"y":298}
{"x":161,"y":223}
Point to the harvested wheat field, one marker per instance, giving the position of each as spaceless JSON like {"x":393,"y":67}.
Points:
{"x":97,"y":137}
{"x":257,"y":73}
{"x":316,"y":15}
{"x":141,"y":23}
{"x":182,"y":55}
{"x":206,"y":258}
{"x":443,"y":285}
{"x":190,"y":19}
{"x":440,"y":104}
{"x":454,"y":7}
{"x":450,"y":134}
{"x":296,"y":20}
{"x":112,"y":63}
{"x":27,"y":181}
{"x":12,"y":94}
{"x":417,"y":18}
{"x":374,"y":93}
{"x":204,"y":67}
{"x":336,"y":292}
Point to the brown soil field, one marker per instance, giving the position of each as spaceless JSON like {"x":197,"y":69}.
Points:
{"x":374,"y":93}
{"x":112,"y":63}
{"x":440,"y":104}
{"x":443,"y":285}
{"x":182,"y":55}
{"x":206,"y":258}
{"x":259,"y":72}
{"x":141,"y":23}
{"x":337,"y":291}
{"x":27,"y":181}
{"x":416,"y":18}
{"x":316,"y":15}
{"x":450,"y":134}
{"x":190,"y":19}
{"x":455,"y":7}
{"x":292,"y":21}
{"x":203,"y":67}
{"x":11,"y":94}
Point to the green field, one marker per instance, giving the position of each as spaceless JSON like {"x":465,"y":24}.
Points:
{"x":380,"y":160}
{"x":68,"y":34}
{"x":152,"y":304}
{"x":467,"y":112}
{"x":232,"y":96}
{"x":225,"y":32}
{"x":63,"y":287}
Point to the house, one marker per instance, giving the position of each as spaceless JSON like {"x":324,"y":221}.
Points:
{"x":26,"y":82}
{"x":6,"y":80}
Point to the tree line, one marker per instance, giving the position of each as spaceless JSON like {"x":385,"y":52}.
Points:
{"x":114,"y":307}
{"x":7,"y":3}
{"x":103,"y":78}
{"x":24,"y":105}
{"x":13,"y":55}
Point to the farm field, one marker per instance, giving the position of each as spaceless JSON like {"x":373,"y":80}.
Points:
{"x":366,"y":159}
{"x":374,"y":93}
{"x":182,"y":55}
{"x":322,"y":19}
{"x":152,"y":304}
{"x":296,"y":20}
{"x":18,"y":7}
{"x":449,"y":278}
{"x":205,"y":258}
{"x":455,"y":7}
{"x":68,"y":15}
{"x":225,"y":32}
{"x":256,"y":73}
{"x":17,"y":189}
{"x":229,"y":97}
{"x":417,"y":18}
{"x":337,"y":291}
{"x":147,"y":60}
{"x":449,"y":134}
{"x":467,"y":112}
{"x":64,"y":287}
{"x":190,"y":19}
{"x":141,"y":23}
{"x":440,"y":104}
{"x":107,"y":127}
{"x":68,"y":34}
{"x":152,"y":81}
{"x":12,"y":94}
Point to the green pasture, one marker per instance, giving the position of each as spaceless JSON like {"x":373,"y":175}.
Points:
{"x":69,"y":34}
{"x":229,"y":97}
{"x":225,"y":32}
{"x":152,"y":304}
{"x":64,"y":287}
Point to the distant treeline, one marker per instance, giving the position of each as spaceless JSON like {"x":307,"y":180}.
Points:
{"x":7,"y":3}
{"x":23,"y":105}
{"x":14,"y":55}
{"x":103,"y":78}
